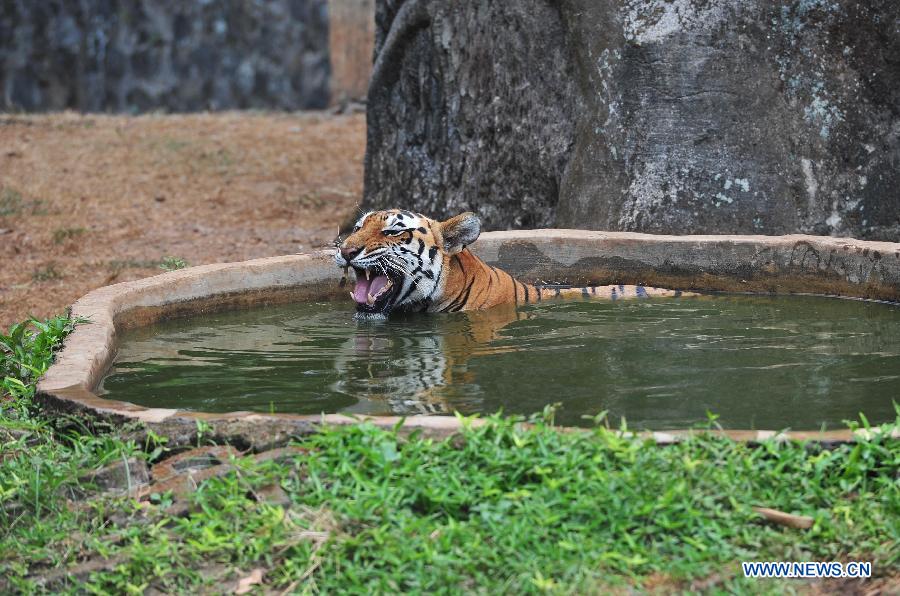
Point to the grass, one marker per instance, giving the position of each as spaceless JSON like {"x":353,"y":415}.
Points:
{"x":499,"y":508}
{"x":311,"y":200}
{"x":201,"y":155}
{"x":119,"y":265}
{"x":48,"y":272}
{"x":13,"y":203}
{"x":168,"y":263}
{"x":61,"y":235}
{"x":26,"y":353}
{"x":172,"y":263}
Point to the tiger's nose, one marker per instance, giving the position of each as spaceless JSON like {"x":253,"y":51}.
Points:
{"x":349,"y":253}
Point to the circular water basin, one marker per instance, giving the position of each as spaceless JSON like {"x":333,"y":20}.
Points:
{"x":755,"y":361}
{"x":259,"y":349}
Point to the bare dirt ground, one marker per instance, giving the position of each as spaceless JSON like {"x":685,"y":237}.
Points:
{"x":91,"y":200}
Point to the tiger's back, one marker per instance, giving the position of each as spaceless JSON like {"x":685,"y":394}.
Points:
{"x":473,"y":284}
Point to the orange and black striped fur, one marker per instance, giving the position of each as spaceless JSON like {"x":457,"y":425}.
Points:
{"x":405,"y":261}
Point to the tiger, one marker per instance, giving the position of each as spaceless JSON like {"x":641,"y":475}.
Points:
{"x":407,"y":262}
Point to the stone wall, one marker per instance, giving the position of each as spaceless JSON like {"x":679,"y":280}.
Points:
{"x":672,"y":116}
{"x":174,"y":55}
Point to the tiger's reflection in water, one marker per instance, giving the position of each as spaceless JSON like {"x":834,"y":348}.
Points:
{"x":423,"y":372}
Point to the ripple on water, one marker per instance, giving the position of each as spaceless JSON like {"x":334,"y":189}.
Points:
{"x":759,"y":362}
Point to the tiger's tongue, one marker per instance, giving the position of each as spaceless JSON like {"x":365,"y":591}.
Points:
{"x":368,"y":286}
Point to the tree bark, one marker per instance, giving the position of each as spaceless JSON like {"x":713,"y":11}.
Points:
{"x":471,"y":107}
{"x":668,"y":116}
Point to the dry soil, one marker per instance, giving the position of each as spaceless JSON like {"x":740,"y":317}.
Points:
{"x":92,"y":200}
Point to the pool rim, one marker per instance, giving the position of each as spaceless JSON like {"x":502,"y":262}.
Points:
{"x":753,"y":264}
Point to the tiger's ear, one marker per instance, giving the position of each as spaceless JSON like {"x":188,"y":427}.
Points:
{"x":460,"y":231}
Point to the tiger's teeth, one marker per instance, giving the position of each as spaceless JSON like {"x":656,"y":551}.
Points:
{"x":368,"y":273}
{"x":352,"y":297}
{"x":370,"y":299}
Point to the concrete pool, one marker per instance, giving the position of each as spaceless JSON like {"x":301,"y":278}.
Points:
{"x":736,"y":264}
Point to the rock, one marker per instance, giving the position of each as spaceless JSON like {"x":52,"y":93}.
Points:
{"x":666,"y":116}
{"x":189,"y":463}
{"x":60,"y":578}
{"x":182,"y":474}
{"x":8,"y":435}
{"x":282,"y":455}
{"x":121,"y":476}
{"x":274,"y":495}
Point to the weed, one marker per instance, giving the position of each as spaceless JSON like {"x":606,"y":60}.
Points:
{"x":311,"y":200}
{"x":46,"y":273}
{"x":501,"y":507}
{"x":79,"y":123}
{"x":166,"y":263}
{"x":61,"y":235}
{"x":10,"y":202}
{"x":118,"y":265}
{"x":27,"y":351}
{"x":172,"y":263}
{"x":13,"y":203}
{"x":220,"y":159}
{"x":174,"y":145}
{"x":203,"y":429}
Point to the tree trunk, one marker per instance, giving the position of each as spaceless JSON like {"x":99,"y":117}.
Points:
{"x":669,"y":116}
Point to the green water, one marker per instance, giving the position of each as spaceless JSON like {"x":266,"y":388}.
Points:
{"x":757,"y":362}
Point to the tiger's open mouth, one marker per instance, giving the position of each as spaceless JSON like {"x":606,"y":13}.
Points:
{"x":374,"y":291}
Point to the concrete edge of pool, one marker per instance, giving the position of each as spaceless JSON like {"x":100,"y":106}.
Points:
{"x":756,"y":264}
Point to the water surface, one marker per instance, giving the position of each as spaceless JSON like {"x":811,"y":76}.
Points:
{"x":757,"y":362}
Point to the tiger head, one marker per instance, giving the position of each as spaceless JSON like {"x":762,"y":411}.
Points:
{"x":399,"y":258}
